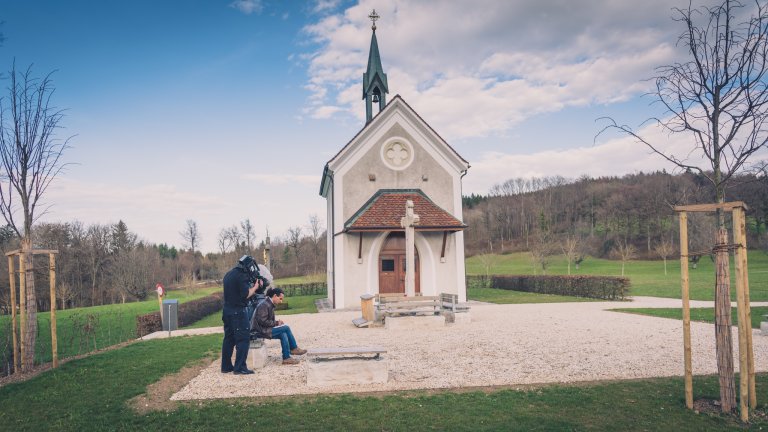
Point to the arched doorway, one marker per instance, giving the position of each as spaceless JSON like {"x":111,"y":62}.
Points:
{"x":392,"y":265}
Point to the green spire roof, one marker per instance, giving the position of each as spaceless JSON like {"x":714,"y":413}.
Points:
{"x":374,"y":73}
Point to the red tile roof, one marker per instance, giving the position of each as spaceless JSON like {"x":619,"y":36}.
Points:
{"x":385,"y":209}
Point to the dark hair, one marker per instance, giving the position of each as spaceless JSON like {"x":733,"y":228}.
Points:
{"x":274,"y":292}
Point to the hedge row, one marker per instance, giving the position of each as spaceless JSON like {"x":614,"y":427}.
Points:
{"x":305,"y":289}
{"x":600,"y":287}
{"x":189,"y":313}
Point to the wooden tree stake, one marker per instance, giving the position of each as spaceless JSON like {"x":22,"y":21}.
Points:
{"x":22,"y":309}
{"x":12,"y":283}
{"x":54,"y":339}
{"x":686,"y":309}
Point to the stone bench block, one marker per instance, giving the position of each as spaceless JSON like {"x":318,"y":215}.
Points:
{"x":257,"y":355}
{"x":346,"y":371}
{"x":414,"y":322}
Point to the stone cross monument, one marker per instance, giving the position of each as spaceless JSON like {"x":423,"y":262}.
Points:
{"x":408,"y":221}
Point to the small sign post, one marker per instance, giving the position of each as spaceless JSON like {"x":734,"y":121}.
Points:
{"x":160,"y":293}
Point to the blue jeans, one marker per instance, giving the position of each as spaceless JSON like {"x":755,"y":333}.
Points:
{"x":287,"y":340}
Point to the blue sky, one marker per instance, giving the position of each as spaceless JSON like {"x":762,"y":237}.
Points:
{"x":218,"y":111}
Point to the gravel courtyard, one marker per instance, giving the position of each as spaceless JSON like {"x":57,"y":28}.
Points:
{"x":503,"y":345}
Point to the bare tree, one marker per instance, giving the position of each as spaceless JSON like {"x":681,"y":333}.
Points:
{"x":541,"y":251}
{"x":191,"y":235}
{"x":625,"y":251}
{"x":315,"y":235}
{"x":294,"y":242}
{"x":97,"y":248}
{"x":134,"y":274}
{"x":570,"y":247}
{"x":664,"y":249}
{"x":249,"y":235}
{"x":30,"y":158}
{"x":489,"y":262}
{"x":719,"y":97}
{"x":225,"y":241}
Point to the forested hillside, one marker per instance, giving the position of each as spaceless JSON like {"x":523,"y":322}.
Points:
{"x":630,"y":216}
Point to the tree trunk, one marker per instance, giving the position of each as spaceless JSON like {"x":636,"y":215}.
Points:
{"x":724,"y":344}
{"x":30,"y":332}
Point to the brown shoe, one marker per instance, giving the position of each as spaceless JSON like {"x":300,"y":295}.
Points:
{"x":290,"y":361}
{"x":298,"y":351}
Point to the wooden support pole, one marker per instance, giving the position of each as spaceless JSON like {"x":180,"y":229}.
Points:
{"x":54,"y":339}
{"x":686,"y":309}
{"x":442,"y":249}
{"x":12,"y":283}
{"x":738,"y":220}
{"x":740,"y":237}
{"x":22,"y":308}
{"x":360,"y":248}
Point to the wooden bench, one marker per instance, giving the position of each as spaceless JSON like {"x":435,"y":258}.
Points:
{"x":347,"y":366}
{"x":401,"y":305}
{"x":450,"y":303}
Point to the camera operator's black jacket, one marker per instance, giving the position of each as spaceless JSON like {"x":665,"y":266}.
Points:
{"x":236,"y":286}
{"x":264,"y":319}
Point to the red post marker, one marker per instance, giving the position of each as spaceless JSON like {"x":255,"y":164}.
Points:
{"x":160,"y":293}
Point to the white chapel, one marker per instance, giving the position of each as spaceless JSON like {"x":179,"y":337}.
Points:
{"x":395,"y":158}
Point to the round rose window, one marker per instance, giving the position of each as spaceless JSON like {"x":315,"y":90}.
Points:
{"x":397,"y":153}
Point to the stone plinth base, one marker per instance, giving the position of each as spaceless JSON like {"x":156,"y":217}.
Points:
{"x":462,"y":318}
{"x":344,"y":371}
{"x":414,"y":322}
{"x":257,"y":355}
{"x":764,"y":328}
{"x":457,"y":317}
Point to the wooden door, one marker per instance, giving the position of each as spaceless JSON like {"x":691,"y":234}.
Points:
{"x":392,"y":265}
{"x":389,"y":275}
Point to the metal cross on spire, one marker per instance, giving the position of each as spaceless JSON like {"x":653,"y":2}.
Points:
{"x":373,"y":16}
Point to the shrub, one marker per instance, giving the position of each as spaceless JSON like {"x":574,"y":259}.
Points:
{"x":600,"y":287}
{"x":304,"y":289}
{"x":189,"y":313}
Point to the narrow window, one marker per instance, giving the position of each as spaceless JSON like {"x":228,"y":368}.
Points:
{"x":387,"y":265}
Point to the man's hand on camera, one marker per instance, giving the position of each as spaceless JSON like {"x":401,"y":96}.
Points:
{"x":253,"y":289}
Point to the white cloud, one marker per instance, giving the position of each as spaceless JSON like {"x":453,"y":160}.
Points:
{"x":325,"y":5}
{"x":479,"y":69}
{"x":247,"y":6}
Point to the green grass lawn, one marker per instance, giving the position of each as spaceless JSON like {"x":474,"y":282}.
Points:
{"x":110,"y":324}
{"x":700,"y":314}
{"x":91,"y":394}
{"x":647,"y":277}
{"x":298,"y":304}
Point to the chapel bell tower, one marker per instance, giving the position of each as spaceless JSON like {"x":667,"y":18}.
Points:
{"x":374,"y":79}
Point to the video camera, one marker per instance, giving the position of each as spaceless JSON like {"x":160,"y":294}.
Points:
{"x":247,"y":263}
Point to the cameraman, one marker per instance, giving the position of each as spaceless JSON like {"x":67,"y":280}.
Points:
{"x":240,"y":283}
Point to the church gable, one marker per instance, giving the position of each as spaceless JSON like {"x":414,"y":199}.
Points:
{"x":396,"y":160}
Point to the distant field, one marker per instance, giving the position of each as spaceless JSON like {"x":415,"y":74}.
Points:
{"x":647,"y":277}
{"x":109,"y":325}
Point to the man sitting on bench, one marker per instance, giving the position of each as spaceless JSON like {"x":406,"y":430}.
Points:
{"x":264,"y":325}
